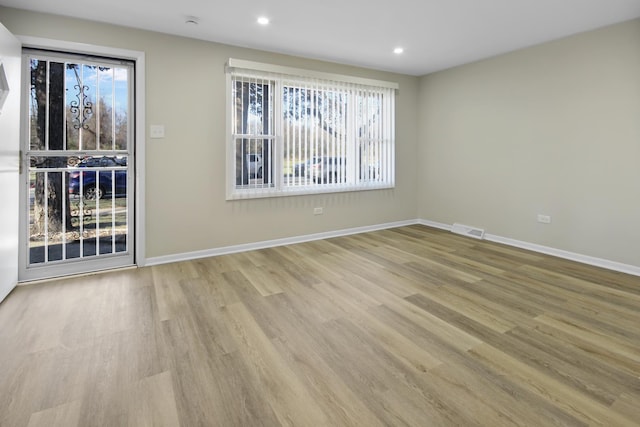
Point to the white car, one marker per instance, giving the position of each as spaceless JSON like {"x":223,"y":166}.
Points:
{"x":254,"y":165}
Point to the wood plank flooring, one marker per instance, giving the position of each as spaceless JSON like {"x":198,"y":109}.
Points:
{"x":404,"y":327}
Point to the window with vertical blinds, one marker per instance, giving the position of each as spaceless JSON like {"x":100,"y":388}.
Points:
{"x":300,"y":132}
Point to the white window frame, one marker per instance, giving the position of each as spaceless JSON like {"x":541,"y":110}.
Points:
{"x":279,"y":77}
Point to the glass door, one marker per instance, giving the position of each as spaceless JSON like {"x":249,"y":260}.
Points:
{"x":77,"y":174}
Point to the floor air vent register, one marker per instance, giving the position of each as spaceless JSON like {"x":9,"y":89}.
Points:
{"x":467,"y":230}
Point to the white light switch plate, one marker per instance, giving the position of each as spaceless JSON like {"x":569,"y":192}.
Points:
{"x":156,"y":131}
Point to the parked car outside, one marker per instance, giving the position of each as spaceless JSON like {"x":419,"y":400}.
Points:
{"x":300,"y":169}
{"x":96,"y":185}
{"x":254,"y":165}
{"x":327,"y":170}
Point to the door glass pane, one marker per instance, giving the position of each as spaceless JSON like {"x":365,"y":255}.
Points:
{"x":105,"y":108}
{"x":121,"y":106}
{"x":78,"y":204}
{"x":86,"y":104}
{"x":37,"y":104}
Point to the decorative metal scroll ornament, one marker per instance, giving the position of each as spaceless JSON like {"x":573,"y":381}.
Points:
{"x":80,"y":212}
{"x":82,"y":109}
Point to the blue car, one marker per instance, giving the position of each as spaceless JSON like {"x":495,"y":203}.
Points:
{"x":106,"y":178}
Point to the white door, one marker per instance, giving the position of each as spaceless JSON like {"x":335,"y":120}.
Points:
{"x":10,"y":51}
{"x":77,"y":182}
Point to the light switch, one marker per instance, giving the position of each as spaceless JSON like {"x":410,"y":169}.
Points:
{"x":156,"y":131}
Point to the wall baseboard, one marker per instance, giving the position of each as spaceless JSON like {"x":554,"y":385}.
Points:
{"x":187,"y":256}
{"x":440,"y":225}
{"x":584,"y":259}
{"x":560,"y":253}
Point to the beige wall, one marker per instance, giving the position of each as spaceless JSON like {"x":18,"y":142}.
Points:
{"x":552,"y":129}
{"x":185,"y":190}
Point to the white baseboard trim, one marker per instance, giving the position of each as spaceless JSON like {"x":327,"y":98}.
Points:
{"x":272,"y":243}
{"x":584,"y":259}
{"x":441,"y":226}
{"x":560,"y":253}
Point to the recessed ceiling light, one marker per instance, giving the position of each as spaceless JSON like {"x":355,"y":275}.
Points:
{"x":192,"y":20}
{"x":398,"y":50}
{"x":263,"y":20}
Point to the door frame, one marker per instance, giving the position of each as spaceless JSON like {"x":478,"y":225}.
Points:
{"x":138,"y":57}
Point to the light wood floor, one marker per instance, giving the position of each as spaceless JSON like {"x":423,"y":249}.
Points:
{"x":405,"y":327}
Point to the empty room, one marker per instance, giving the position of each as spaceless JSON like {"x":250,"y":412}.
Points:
{"x":413,"y":213}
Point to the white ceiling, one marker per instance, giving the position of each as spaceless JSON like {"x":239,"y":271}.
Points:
{"x":435,"y":34}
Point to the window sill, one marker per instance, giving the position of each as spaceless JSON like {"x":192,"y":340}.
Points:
{"x":252,"y":193}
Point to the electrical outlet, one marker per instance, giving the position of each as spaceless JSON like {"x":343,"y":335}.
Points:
{"x":318,"y":211}
{"x":544,"y":219}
